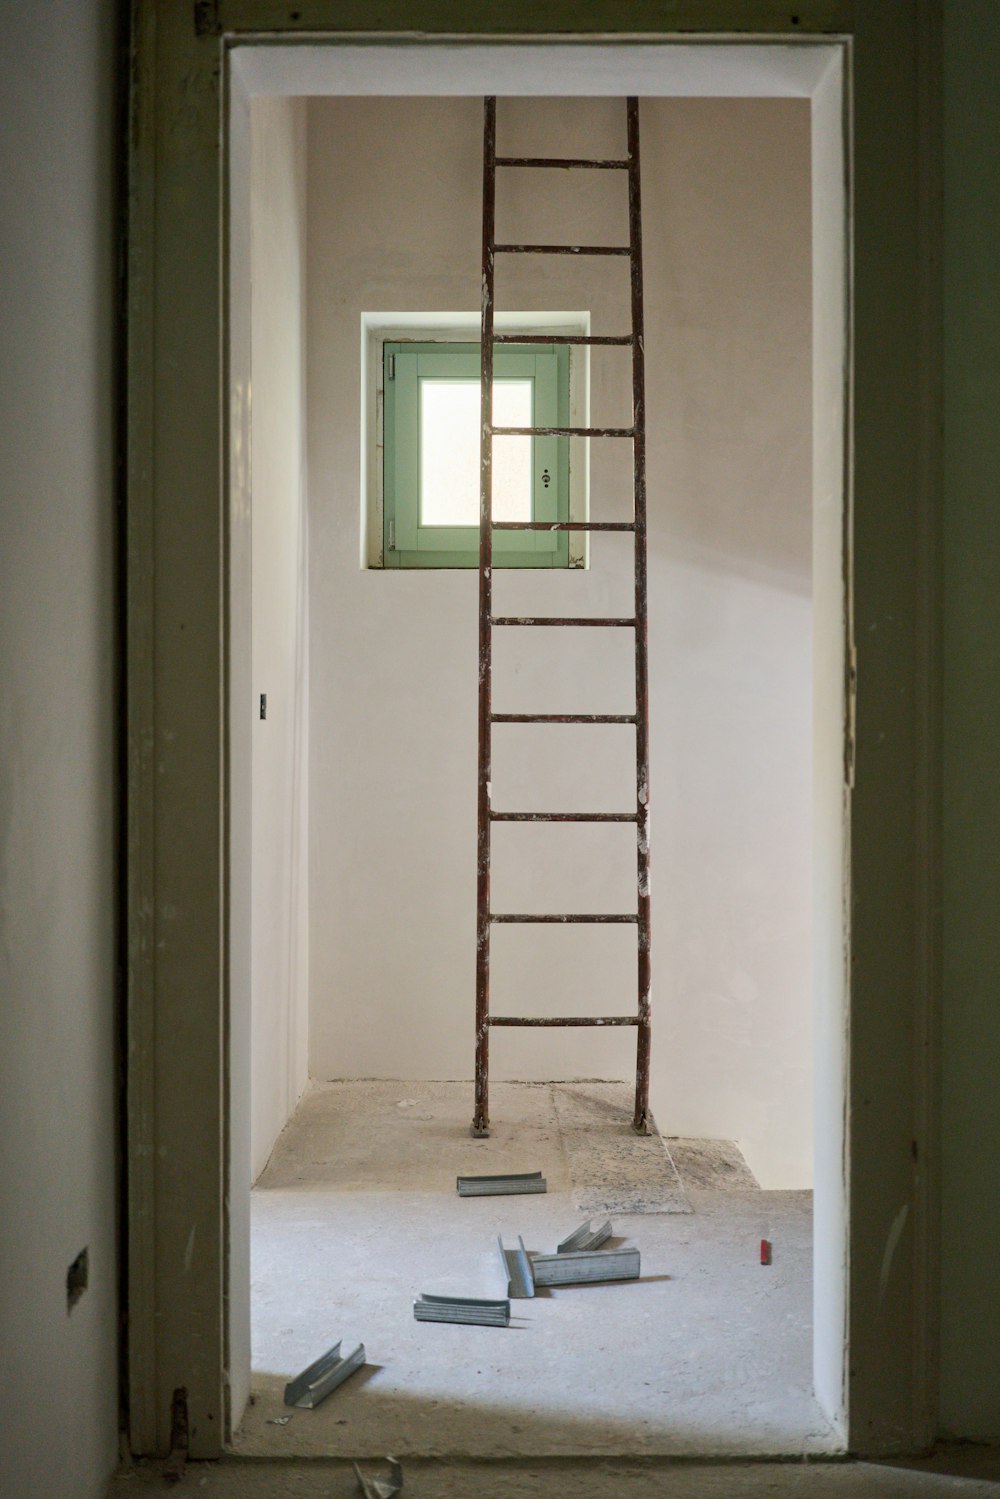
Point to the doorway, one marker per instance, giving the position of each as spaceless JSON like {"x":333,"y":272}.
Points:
{"x":750,"y":592}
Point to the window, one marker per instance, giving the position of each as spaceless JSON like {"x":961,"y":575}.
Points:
{"x":430,"y":460}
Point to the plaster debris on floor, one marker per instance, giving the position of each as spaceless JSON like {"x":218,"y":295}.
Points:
{"x":612,"y":1169}
{"x":356,"y":1215}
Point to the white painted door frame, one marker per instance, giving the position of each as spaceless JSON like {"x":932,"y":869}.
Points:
{"x":178,"y":680}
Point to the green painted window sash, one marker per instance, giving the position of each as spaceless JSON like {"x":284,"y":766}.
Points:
{"x":458,"y":546}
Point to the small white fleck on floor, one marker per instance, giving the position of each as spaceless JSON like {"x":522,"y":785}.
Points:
{"x":357,"y":1212}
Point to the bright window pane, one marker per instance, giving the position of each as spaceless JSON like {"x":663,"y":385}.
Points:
{"x":449,"y":452}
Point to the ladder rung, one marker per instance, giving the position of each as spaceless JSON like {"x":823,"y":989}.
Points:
{"x":564,"y":525}
{"x":546,"y":619}
{"x":621,"y":339}
{"x":562,"y":161}
{"x":564,"y":817}
{"x":562,"y":249}
{"x":563,"y":431}
{"x":564,"y":1020}
{"x":603,"y":920}
{"x":562,"y":718}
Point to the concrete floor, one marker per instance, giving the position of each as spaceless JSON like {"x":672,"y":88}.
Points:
{"x":708,"y":1354}
{"x":964,"y":1474}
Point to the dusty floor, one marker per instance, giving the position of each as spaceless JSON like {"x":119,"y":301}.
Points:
{"x":967,"y":1474}
{"x":707,"y":1354}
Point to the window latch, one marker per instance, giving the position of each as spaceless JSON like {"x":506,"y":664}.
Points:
{"x":390,"y":366}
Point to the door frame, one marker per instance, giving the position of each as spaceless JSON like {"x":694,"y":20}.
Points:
{"x":178,"y":650}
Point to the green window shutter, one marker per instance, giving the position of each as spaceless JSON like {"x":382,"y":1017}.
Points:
{"x":416,"y":374}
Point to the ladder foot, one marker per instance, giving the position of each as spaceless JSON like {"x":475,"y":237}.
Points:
{"x":640,"y":1124}
{"x":480,"y":1128}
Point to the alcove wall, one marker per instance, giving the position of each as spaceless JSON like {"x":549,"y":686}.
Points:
{"x":393,"y":215}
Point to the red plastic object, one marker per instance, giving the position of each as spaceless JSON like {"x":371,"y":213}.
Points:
{"x":765,"y":1251}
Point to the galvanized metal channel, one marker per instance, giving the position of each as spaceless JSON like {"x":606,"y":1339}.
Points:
{"x":513,"y":1183}
{"x":313,"y":1385}
{"x":380,"y":1488}
{"x":581,"y":1267}
{"x":585,"y":1237}
{"x":636,"y":433}
{"x":472,"y":1311}
{"x":517,"y":1271}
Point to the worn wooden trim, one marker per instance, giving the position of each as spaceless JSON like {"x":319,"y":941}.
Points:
{"x":930,"y":871}
{"x":536,"y":18}
{"x":893,"y":1062}
{"x":176,"y":881}
{"x":140,"y":884}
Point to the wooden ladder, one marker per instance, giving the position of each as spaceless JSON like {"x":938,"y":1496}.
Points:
{"x":488,"y":621}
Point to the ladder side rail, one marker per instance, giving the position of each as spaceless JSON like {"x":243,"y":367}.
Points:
{"x":481,"y":1116}
{"x":640,"y":1119}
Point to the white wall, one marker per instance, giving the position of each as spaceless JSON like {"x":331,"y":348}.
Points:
{"x":58,"y":685}
{"x":830,"y":869}
{"x":727,"y":256}
{"x":279,"y":609}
